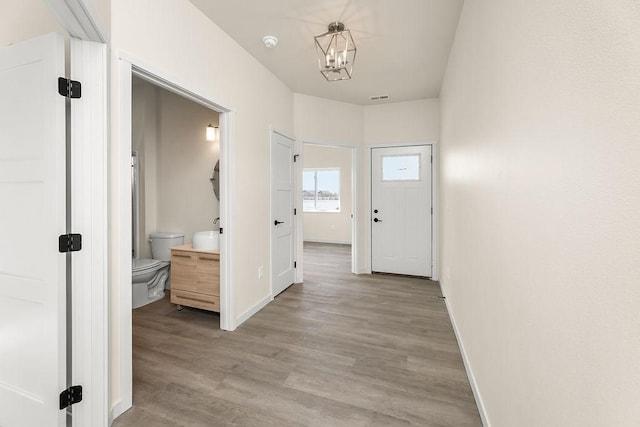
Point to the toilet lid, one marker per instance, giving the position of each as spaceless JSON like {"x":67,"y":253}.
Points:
{"x":145,"y":264}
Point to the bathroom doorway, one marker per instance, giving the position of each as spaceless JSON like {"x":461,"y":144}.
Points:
{"x":329,"y":205}
{"x":128,"y":73}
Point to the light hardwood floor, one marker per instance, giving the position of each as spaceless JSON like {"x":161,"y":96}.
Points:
{"x":338,"y":350}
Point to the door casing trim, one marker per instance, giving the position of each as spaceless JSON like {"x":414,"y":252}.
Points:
{"x":435,"y":273}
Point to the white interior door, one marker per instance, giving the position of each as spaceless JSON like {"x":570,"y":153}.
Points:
{"x":282,"y":235}
{"x":401,"y":210}
{"x":33,"y":215}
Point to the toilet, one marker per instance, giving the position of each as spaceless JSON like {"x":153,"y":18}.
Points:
{"x":150,"y":277}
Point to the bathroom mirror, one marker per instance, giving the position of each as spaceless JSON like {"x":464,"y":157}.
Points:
{"x":215,"y":180}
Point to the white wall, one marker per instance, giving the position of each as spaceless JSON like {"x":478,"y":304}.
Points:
{"x":325,"y":121}
{"x":540,"y":194}
{"x":26,"y":19}
{"x":175,"y":163}
{"x":177,"y":40}
{"x":186,"y":201}
{"x":402,"y":122}
{"x":331,"y":227}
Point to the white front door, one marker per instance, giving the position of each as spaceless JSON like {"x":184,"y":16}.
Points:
{"x":401,"y":210}
{"x":33,"y":215}
{"x":282,"y":250}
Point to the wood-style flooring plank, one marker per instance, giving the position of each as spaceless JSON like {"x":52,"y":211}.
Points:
{"x":338,"y":350}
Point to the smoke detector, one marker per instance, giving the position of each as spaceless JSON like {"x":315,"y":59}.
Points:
{"x":270,"y":41}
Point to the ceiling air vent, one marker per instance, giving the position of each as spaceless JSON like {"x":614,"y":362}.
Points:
{"x":379,"y":97}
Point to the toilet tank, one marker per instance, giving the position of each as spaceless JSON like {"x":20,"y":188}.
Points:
{"x":162,"y":242}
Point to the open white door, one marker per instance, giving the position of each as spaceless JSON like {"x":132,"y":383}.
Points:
{"x":33,"y":215}
{"x":282,"y":241}
{"x":401,"y":210}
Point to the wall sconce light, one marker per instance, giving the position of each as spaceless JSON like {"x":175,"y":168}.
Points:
{"x":211,"y":132}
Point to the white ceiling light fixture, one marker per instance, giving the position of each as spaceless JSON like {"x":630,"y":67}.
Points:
{"x":270,"y":41}
{"x":336,"y":53}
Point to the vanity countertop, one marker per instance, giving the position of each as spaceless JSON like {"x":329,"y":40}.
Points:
{"x":189,"y":248}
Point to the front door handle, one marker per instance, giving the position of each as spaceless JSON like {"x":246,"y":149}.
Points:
{"x":377,"y":220}
{"x":276,"y":222}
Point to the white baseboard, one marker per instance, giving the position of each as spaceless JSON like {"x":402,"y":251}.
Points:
{"x":335,"y":242}
{"x":467,"y":366}
{"x":116,"y":410}
{"x":253,"y":310}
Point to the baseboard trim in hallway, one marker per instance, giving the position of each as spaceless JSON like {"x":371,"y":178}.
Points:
{"x":467,"y":366}
{"x":253,"y":310}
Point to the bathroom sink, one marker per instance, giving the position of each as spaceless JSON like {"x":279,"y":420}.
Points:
{"x":206,"y":240}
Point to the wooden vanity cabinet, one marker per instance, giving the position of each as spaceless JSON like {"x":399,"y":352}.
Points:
{"x":195,"y":278}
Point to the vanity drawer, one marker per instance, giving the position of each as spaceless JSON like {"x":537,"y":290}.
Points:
{"x":184,"y":258}
{"x":194,"y":299}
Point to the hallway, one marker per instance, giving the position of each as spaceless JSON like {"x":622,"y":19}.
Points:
{"x":337,"y":350}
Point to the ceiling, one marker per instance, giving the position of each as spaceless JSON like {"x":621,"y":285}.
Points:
{"x":403,"y":45}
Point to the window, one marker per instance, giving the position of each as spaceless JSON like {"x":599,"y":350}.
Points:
{"x":401,"y":168}
{"x":321,"y":190}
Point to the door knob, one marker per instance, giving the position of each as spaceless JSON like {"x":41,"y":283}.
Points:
{"x":377,"y":220}
{"x":375,"y":211}
{"x":276,"y":222}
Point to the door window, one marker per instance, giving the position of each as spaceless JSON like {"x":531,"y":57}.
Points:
{"x":401,"y":168}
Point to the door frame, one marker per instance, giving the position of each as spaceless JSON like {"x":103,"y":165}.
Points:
{"x":89,"y":311}
{"x":435,"y":273}
{"x":296,"y":201}
{"x":128,"y":66}
{"x":88,"y":188}
{"x":355,"y":173}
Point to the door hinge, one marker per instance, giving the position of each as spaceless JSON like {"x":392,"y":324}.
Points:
{"x":295,"y":211}
{"x":221,"y":230}
{"x":70,"y":396}
{"x":295,"y":264}
{"x":295,"y":157}
{"x":431,"y":211}
{"x":70,"y":242}
{"x":69,"y":88}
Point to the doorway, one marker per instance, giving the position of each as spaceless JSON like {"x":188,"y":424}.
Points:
{"x":402,"y":210}
{"x":127,"y":69}
{"x":329,"y":176}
